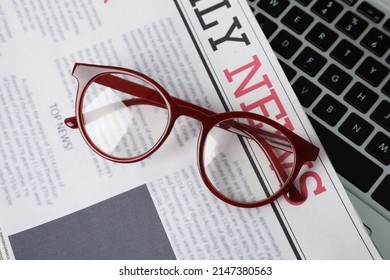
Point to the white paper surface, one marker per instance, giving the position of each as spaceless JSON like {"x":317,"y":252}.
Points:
{"x":211,"y":53}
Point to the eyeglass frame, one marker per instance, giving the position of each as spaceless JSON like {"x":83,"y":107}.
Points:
{"x":304,"y":151}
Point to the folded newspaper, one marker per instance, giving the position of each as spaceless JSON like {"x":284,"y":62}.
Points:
{"x":59,"y":200}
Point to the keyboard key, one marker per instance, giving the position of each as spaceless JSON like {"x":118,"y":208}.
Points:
{"x":290,"y":73}
{"x":372,"y":71}
{"x":376,"y":41}
{"x":382,"y":193}
{"x":379,"y":147}
{"x":272,"y":7}
{"x":267,"y":26}
{"x":335,"y":79}
{"x":321,"y":36}
{"x":328,"y":10}
{"x":285,"y":44}
{"x":386,"y":88}
{"x":356,"y":129}
{"x":297,"y":20}
{"x":347,"y":161}
{"x":329,"y":110}
{"x":361,"y":97}
{"x":370,"y":12}
{"x":351,"y":25}
{"x":306,"y":91}
{"x":347,"y":54}
{"x":381,"y":115}
{"x":310,"y":61}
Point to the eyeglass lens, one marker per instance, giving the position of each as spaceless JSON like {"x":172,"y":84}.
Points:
{"x":123,"y":125}
{"x":241,"y":158}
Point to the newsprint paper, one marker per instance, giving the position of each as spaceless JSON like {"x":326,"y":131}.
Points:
{"x":58,"y":200}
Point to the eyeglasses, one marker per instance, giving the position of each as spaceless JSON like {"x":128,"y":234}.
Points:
{"x":245,"y":159}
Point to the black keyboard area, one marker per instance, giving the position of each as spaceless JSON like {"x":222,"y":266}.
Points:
{"x":336,"y":56}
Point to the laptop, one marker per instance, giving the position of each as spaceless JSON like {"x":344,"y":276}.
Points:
{"x":336,"y":56}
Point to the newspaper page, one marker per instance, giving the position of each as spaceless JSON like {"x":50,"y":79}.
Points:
{"x":59,"y":200}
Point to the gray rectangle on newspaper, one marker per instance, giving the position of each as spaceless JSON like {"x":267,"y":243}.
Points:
{"x":126,"y":226}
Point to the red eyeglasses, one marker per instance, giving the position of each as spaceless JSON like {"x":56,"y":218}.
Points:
{"x":125,"y":116}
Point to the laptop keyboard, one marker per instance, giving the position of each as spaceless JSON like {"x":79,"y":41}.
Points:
{"x":337,"y":59}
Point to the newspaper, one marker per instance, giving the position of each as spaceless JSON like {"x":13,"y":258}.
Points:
{"x":58,"y":200}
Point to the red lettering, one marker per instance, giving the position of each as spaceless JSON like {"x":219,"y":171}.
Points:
{"x":243,"y":88}
{"x":268,"y":100}
{"x":265,"y":104}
